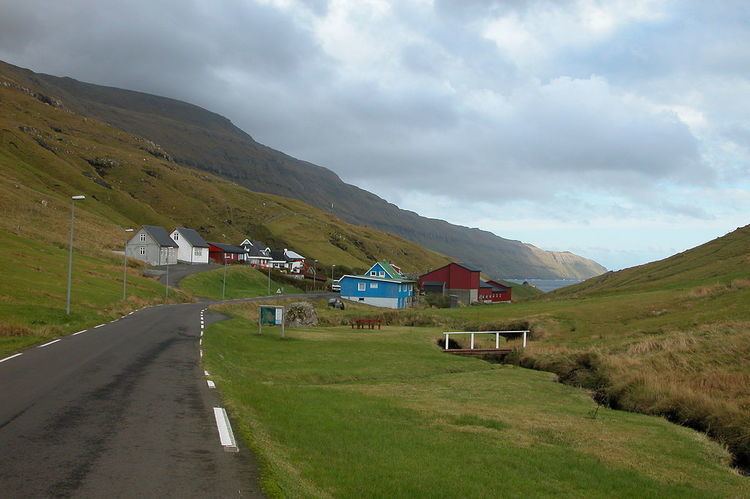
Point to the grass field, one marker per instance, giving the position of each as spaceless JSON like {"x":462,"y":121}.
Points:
{"x":241,"y":282}
{"x":336,"y":412}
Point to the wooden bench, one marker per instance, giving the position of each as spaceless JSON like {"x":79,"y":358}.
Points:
{"x":369,"y":323}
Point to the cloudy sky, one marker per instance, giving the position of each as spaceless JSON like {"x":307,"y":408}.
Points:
{"x":618,"y":130}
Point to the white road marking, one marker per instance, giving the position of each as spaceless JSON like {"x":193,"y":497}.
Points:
{"x":100,"y":325}
{"x":204,"y":372}
{"x":200,"y":341}
{"x":201,"y":333}
{"x":49,"y":343}
{"x":79,"y":332}
{"x":210,"y":383}
{"x":131,"y":313}
{"x":201,"y":351}
{"x":226,"y":436}
{"x":11,"y":357}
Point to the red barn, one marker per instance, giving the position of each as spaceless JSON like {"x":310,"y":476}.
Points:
{"x":456,"y":279}
{"x":225,"y":253}
{"x":494,"y":292}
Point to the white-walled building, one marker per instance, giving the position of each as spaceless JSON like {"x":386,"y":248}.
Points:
{"x":192,"y":247}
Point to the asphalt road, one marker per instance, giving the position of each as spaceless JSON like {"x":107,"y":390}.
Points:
{"x":181,"y":270}
{"x":121,"y":410}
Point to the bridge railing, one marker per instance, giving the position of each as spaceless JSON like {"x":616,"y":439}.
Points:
{"x":519,"y":333}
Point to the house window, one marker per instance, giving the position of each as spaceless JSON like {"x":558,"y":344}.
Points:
{"x":361,"y":286}
{"x":381,"y":274}
{"x":373,"y":273}
{"x":175,"y":236}
{"x":143,"y":238}
{"x":198,"y":251}
{"x":361,"y":299}
{"x":142,"y":250}
{"x":373,"y":285}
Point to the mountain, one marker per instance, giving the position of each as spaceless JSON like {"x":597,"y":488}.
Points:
{"x":207,"y":141}
{"x":49,"y":152}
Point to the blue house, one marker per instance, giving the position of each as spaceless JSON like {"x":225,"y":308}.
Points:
{"x":381,"y":286}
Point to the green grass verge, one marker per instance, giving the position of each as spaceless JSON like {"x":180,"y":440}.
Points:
{"x":336,"y":412}
{"x":241,"y":282}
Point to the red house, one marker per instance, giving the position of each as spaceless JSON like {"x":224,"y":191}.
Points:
{"x":225,"y":253}
{"x":457,"y":279}
{"x":494,"y":292}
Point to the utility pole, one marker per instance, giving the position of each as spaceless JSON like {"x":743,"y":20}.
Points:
{"x":73,"y":200}
{"x":125,"y":268}
{"x":224,"y":284}
{"x":269,"y":279}
{"x":315,"y":275}
{"x":166,"y":288}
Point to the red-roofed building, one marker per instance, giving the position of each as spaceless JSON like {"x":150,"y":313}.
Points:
{"x":494,"y":292}
{"x":457,"y":279}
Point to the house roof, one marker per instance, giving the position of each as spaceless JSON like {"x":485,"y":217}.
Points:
{"x":279,"y":256}
{"x":293,"y":255}
{"x":468,"y":267}
{"x":498,"y":285}
{"x":228,"y":248}
{"x":382,"y":279}
{"x":388,"y":268}
{"x":192,"y":237}
{"x":433,"y":283}
{"x":255,"y":252}
{"x":160,"y":235}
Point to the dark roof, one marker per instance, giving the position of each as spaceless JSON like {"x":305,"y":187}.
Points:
{"x":254,"y":251}
{"x":498,"y":285}
{"x":228,"y":248}
{"x":259,"y":244}
{"x":468,"y":267}
{"x":483,"y":284}
{"x":160,"y":235}
{"x":433,"y":283}
{"x":192,"y":236}
{"x":279,"y":256}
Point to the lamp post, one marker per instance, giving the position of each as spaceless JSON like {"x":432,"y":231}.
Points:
{"x":333,"y":268}
{"x":315,"y":274}
{"x":224,"y":284}
{"x":269,"y":278}
{"x":166,"y":287}
{"x":73,"y":200}
{"x":125,"y":268}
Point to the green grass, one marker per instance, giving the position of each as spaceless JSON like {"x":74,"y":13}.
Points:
{"x":336,"y":412}
{"x":33,"y":292}
{"x":241,"y":282}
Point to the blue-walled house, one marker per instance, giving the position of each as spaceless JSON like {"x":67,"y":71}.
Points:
{"x":381,"y":286}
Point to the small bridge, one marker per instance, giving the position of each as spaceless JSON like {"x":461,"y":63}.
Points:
{"x":471,"y":351}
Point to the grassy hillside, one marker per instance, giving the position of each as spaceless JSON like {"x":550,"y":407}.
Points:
{"x":333,"y":412}
{"x":241,"y":282}
{"x":199,"y":138}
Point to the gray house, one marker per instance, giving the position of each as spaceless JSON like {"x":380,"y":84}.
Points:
{"x":152,"y":245}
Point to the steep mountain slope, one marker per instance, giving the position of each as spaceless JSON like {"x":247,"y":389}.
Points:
{"x":207,"y":141}
{"x":48,"y":152}
{"x":725,"y":261}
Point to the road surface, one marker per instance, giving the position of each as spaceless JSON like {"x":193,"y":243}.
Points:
{"x":180,"y":271}
{"x":121,"y":410}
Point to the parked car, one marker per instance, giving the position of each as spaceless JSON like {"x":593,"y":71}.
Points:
{"x":336,"y":286}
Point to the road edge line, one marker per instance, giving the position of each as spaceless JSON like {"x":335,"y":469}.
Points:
{"x":226,"y":435}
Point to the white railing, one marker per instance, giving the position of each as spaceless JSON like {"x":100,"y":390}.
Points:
{"x":522,"y":333}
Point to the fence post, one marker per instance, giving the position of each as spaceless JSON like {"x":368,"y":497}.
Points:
{"x":524,"y":339}
{"x":497,"y":341}
{"x":446,"y":341}
{"x":472,"y":341}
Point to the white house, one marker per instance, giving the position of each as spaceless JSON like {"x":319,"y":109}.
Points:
{"x":295,"y":261}
{"x":152,"y":245}
{"x":192,"y":247}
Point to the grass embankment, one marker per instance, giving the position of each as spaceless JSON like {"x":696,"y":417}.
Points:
{"x":336,"y":412}
{"x":241,"y":282}
{"x":33,"y":291}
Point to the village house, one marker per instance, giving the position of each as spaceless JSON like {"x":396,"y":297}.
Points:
{"x":288,"y":260}
{"x":381,"y":286}
{"x":225,"y":253}
{"x":152,"y":244}
{"x":257,"y":254}
{"x":192,"y":247}
{"x":456,"y":279}
{"x":494,"y":292}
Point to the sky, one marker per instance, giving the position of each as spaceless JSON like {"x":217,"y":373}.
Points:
{"x":618,"y":130}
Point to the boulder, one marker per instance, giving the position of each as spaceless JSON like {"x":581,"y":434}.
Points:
{"x":300,"y":314}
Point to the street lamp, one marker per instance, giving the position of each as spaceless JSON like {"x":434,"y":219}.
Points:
{"x":224,"y":284}
{"x":333,"y":267}
{"x":315,"y":275}
{"x":125,"y":268}
{"x":73,"y":200}
{"x":269,"y":278}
